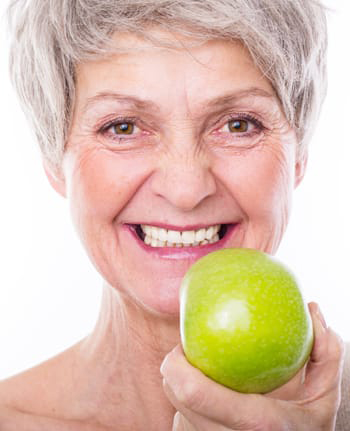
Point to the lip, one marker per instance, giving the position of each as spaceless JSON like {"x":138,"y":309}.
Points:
{"x":183,"y":253}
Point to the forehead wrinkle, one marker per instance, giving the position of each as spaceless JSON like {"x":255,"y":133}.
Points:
{"x":198,"y":109}
{"x":186,"y":111}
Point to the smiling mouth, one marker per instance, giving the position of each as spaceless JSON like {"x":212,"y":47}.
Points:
{"x":154,"y":236}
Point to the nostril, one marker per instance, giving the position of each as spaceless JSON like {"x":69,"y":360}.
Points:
{"x":183,"y":185}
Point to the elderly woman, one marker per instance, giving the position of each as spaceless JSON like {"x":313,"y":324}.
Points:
{"x":173,"y":128}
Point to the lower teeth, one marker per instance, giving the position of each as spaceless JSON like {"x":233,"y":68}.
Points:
{"x":157,"y":243}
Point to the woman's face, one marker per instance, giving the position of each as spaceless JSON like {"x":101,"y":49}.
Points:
{"x":189,"y":146}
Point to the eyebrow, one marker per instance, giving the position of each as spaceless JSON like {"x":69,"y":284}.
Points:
{"x":140,"y":104}
{"x":231,"y":98}
{"x":148,"y":105}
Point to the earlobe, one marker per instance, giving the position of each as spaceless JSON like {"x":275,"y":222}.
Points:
{"x":300,"y":168}
{"x":56,"y":178}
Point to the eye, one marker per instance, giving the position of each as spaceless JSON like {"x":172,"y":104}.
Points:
{"x":238,"y":126}
{"x":119,"y":128}
{"x":243,"y":126}
{"x":124,"y":128}
{"x":239,"y":129}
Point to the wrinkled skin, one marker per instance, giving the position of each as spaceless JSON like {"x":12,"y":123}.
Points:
{"x":181,"y":165}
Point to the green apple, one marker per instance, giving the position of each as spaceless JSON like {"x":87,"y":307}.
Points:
{"x":243,"y":320}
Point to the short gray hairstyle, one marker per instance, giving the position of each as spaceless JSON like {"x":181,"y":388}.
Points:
{"x":287,"y":40}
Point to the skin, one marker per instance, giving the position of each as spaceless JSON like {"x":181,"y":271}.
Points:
{"x":112,"y":379}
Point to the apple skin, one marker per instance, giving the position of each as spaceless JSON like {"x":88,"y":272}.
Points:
{"x":243,"y":320}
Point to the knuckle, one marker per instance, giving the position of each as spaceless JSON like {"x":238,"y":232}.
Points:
{"x":264,"y":424}
{"x":192,"y":396}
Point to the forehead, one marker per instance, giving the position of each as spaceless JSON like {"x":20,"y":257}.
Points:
{"x":176,"y":69}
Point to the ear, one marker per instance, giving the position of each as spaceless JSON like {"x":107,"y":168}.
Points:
{"x":56,"y":178}
{"x":300,"y":167}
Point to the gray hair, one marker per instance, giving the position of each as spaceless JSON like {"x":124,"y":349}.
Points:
{"x":287,"y":40}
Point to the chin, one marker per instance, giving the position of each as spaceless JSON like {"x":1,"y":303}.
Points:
{"x":166,"y":310}
{"x":158,"y":299}
{"x":163,"y":301}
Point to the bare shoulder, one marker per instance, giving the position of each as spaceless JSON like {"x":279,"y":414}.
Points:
{"x":35,"y":399}
{"x":14,"y":420}
{"x":26,"y":390}
{"x":20,"y":397}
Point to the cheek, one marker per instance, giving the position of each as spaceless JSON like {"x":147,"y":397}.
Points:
{"x":272,"y":183}
{"x":99,"y":187}
{"x":262,"y":181}
{"x":101,"y":184}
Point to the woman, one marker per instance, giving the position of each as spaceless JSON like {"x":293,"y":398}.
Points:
{"x":173,"y":129}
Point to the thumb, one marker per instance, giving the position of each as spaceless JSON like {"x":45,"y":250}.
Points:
{"x":180,"y":423}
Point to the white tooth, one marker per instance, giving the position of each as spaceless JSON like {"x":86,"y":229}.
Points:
{"x":188,"y":236}
{"x":162,"y":234}
{"x":214,"y":239}
{"x":174,"y":236}
{"x":154,"y":242}
{"x":200,"y":235}
{"x":154,"y":232}
{"x":146,"y":229}
{"x":209,"y":232}
{"x":159,"y":237}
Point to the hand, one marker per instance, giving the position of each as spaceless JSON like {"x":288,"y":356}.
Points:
{"x":309,"y":402}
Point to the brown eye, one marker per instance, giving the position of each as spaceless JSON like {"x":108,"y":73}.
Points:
{"x":238,"y":126}
{"x":124,"y":128}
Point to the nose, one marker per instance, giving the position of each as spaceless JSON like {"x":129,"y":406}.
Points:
{"x":184,"y":180}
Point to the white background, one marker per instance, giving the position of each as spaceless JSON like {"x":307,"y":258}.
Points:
{"x":49,"y":292}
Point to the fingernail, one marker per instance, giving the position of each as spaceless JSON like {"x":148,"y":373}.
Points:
{"x":163,"y":366}
{"x":321,"y":318}
{"x":176,"y":421}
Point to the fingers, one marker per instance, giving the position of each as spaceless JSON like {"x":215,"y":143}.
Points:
{"x":328,"y":345}
{"x":290,"y":390}
{"x":210,"y":406}
{"x":191,"y":390}
{"x":181,"y":424}
{"x":324,"y":370}
{"x":187,"y":420}
{"x":322,"y":373}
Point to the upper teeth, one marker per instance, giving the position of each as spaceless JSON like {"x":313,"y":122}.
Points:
{"x":159,"y":237}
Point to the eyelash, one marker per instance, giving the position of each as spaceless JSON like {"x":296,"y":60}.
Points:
{"x":233,"y":117}
{"x":105,"y":127}
{"x":245,"y":117}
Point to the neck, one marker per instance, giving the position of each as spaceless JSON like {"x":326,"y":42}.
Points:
{"x":122,"y":357}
